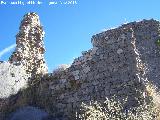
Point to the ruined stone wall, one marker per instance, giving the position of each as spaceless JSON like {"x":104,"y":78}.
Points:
{"x":147,"y":35}
{"x":30,"y":47}
{"x":120,"y":63}
{"x":26,"y":62}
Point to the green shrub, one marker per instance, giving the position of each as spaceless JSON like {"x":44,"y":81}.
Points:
{"x":158,"y":42}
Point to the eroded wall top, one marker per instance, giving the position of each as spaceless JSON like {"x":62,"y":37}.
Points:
{"x":30,"y":47}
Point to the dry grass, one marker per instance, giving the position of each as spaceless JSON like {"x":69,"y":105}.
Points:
{"x":113,"y":110}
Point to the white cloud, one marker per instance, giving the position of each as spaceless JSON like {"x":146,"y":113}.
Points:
{"x":7,"y":49}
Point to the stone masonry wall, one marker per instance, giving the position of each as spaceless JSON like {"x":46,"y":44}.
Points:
{"x":146,"y":36}
{"x":26,"y":62}
{"x":120,"y":63}
{"x":30,"y":47}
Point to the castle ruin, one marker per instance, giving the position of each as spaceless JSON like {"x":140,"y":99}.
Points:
{"x":122,"y":61}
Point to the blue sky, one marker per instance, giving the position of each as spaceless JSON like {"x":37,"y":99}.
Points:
{"x":69,"y":28}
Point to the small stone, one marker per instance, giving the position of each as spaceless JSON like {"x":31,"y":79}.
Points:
{"x":86,"y":69}
{"x":119,"y":51}
{"x":62,"y":81}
